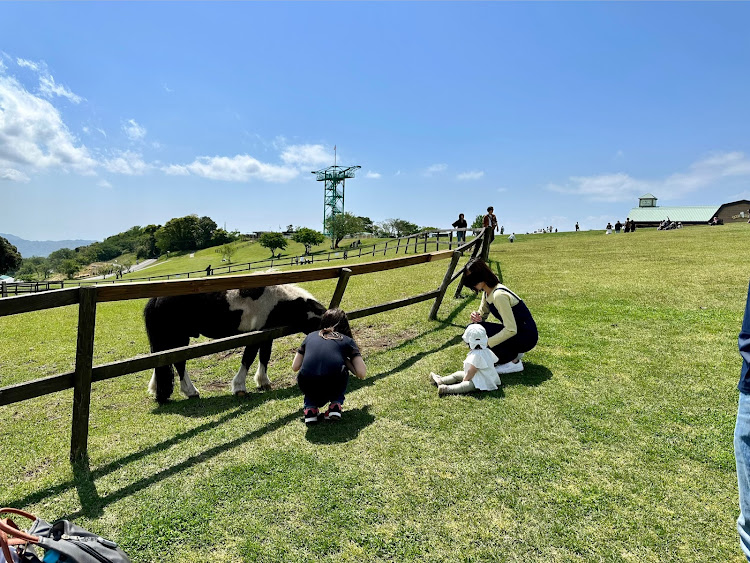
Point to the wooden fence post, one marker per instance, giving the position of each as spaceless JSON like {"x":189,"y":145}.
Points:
{"x":338,"y":294}
{"x":82,"y":379}
{"x":444,"y":285}
{"x":460,"y":286}
{"x":4,"y":292}
{"x":486,"y":245}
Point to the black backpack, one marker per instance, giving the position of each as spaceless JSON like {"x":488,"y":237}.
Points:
{"x":75,"y":544}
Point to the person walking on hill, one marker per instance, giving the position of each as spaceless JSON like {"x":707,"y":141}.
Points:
{"x":516,"y":333}
{"x":577,"y":227}
{"x":460,"y":223}
{"x":490,"y":221}
{"x":618,"y":227}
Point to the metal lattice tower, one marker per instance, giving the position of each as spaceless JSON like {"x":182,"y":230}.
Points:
{"x":333,"y":190}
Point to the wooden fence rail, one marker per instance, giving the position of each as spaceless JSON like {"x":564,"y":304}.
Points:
{"x":87,"y":298}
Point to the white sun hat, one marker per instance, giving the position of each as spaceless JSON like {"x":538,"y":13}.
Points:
{"x":475,"y":335}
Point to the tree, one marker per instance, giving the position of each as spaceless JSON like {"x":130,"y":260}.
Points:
{"x":36,"y":266}
{"x":220,"y":236}
{"x":367,"y":225}
{"x":146,"y":247}
{"x":272,"y":241}
{"x":228,"y":250}
{"x":477,"y":224}
{"x":204,"y":231}
{"x":10,"y":258}
{"x":57,"y":257}
{"x":178,"y":234}
{"x":69,"y":268}
{"x":341,"y":225}
{"x":308,"y":237}
{"x":404,"y":228}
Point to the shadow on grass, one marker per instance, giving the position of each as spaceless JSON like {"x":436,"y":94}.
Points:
{"x":348,"y":428}
{"x":92,"y":504}
{"x":83,"y":477}
{"x":211,"y":406}
{"x":531,"y":376}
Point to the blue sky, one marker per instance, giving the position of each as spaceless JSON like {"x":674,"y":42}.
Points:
{"x":122,"y":114}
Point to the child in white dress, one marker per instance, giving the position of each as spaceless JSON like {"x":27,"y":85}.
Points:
{"x":479,"y":372}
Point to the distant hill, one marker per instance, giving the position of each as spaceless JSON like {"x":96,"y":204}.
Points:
{"x":29,"y":248}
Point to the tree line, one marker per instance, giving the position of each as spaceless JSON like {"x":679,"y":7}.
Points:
{"x":180,"y":234}
{"x":187,"y":233}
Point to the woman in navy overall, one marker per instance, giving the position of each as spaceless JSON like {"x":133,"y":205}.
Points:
{"x":516,"y":332}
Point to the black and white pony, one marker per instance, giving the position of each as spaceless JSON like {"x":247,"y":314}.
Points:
{"x":171,"y":321}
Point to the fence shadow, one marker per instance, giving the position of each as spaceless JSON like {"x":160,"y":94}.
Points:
{"x":347,"y":429}
{"x":210,"y":406}
{"x":92,"y":504}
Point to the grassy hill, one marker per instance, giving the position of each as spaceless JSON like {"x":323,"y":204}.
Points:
{"x":615,"y":443}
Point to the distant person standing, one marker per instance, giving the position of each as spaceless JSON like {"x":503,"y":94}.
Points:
{"x":632,"y":226}
{"x":742,"y":433}
{"x":460,"y":223}
{"x":490,"y":221}
{"x":618,"y":227}
{"x":627,"y":225}
{"x":577,"y":227}
{"x":502,"y":229}
{"x":609,"y":229}
{"x":512,"y":237}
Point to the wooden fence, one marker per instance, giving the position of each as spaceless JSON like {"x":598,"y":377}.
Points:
{"x":419,"y":242}
{"x":86,"y":298}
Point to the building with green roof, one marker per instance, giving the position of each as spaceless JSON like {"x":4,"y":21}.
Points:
{"x":648,"y":214}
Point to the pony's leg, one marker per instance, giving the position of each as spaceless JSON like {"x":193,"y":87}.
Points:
{"x":162,"y":383}
{"x":162,"y":380}
{"x":261,"y":375}
{"x":186,"y":385}
{"x":248,"y":357}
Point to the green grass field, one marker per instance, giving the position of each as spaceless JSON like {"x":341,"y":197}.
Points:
{"x":615,"y":443}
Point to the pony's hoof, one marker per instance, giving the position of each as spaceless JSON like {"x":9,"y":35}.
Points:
{"x":196,"y":396}
{"x":240,"y":393}
{"x":265,"y":387}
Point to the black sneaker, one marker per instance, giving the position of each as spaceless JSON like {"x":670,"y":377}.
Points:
{"x":334,"y":412}
{"x":312,"y":415}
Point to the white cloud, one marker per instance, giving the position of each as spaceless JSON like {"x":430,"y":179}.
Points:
{"x":13,"y":175}
{"x":49,"y":89}
{"x":502,"y":189}
{"x":47,"y":85}
{"x":473,"y":175}
{"x":435,"y":169}
{"x":702,"y":174}
{"x":306,"y":155}
{"x":28,"y":64}
{"x":371,"y":174}
{"x":166,"y":88}
{"x":104,"y":184}
{"x":127,"y":162}
{"x":176,"y":170}
{"x":240,"y":168}
{"x":133,"y":130}
{"x":32,"y":132}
